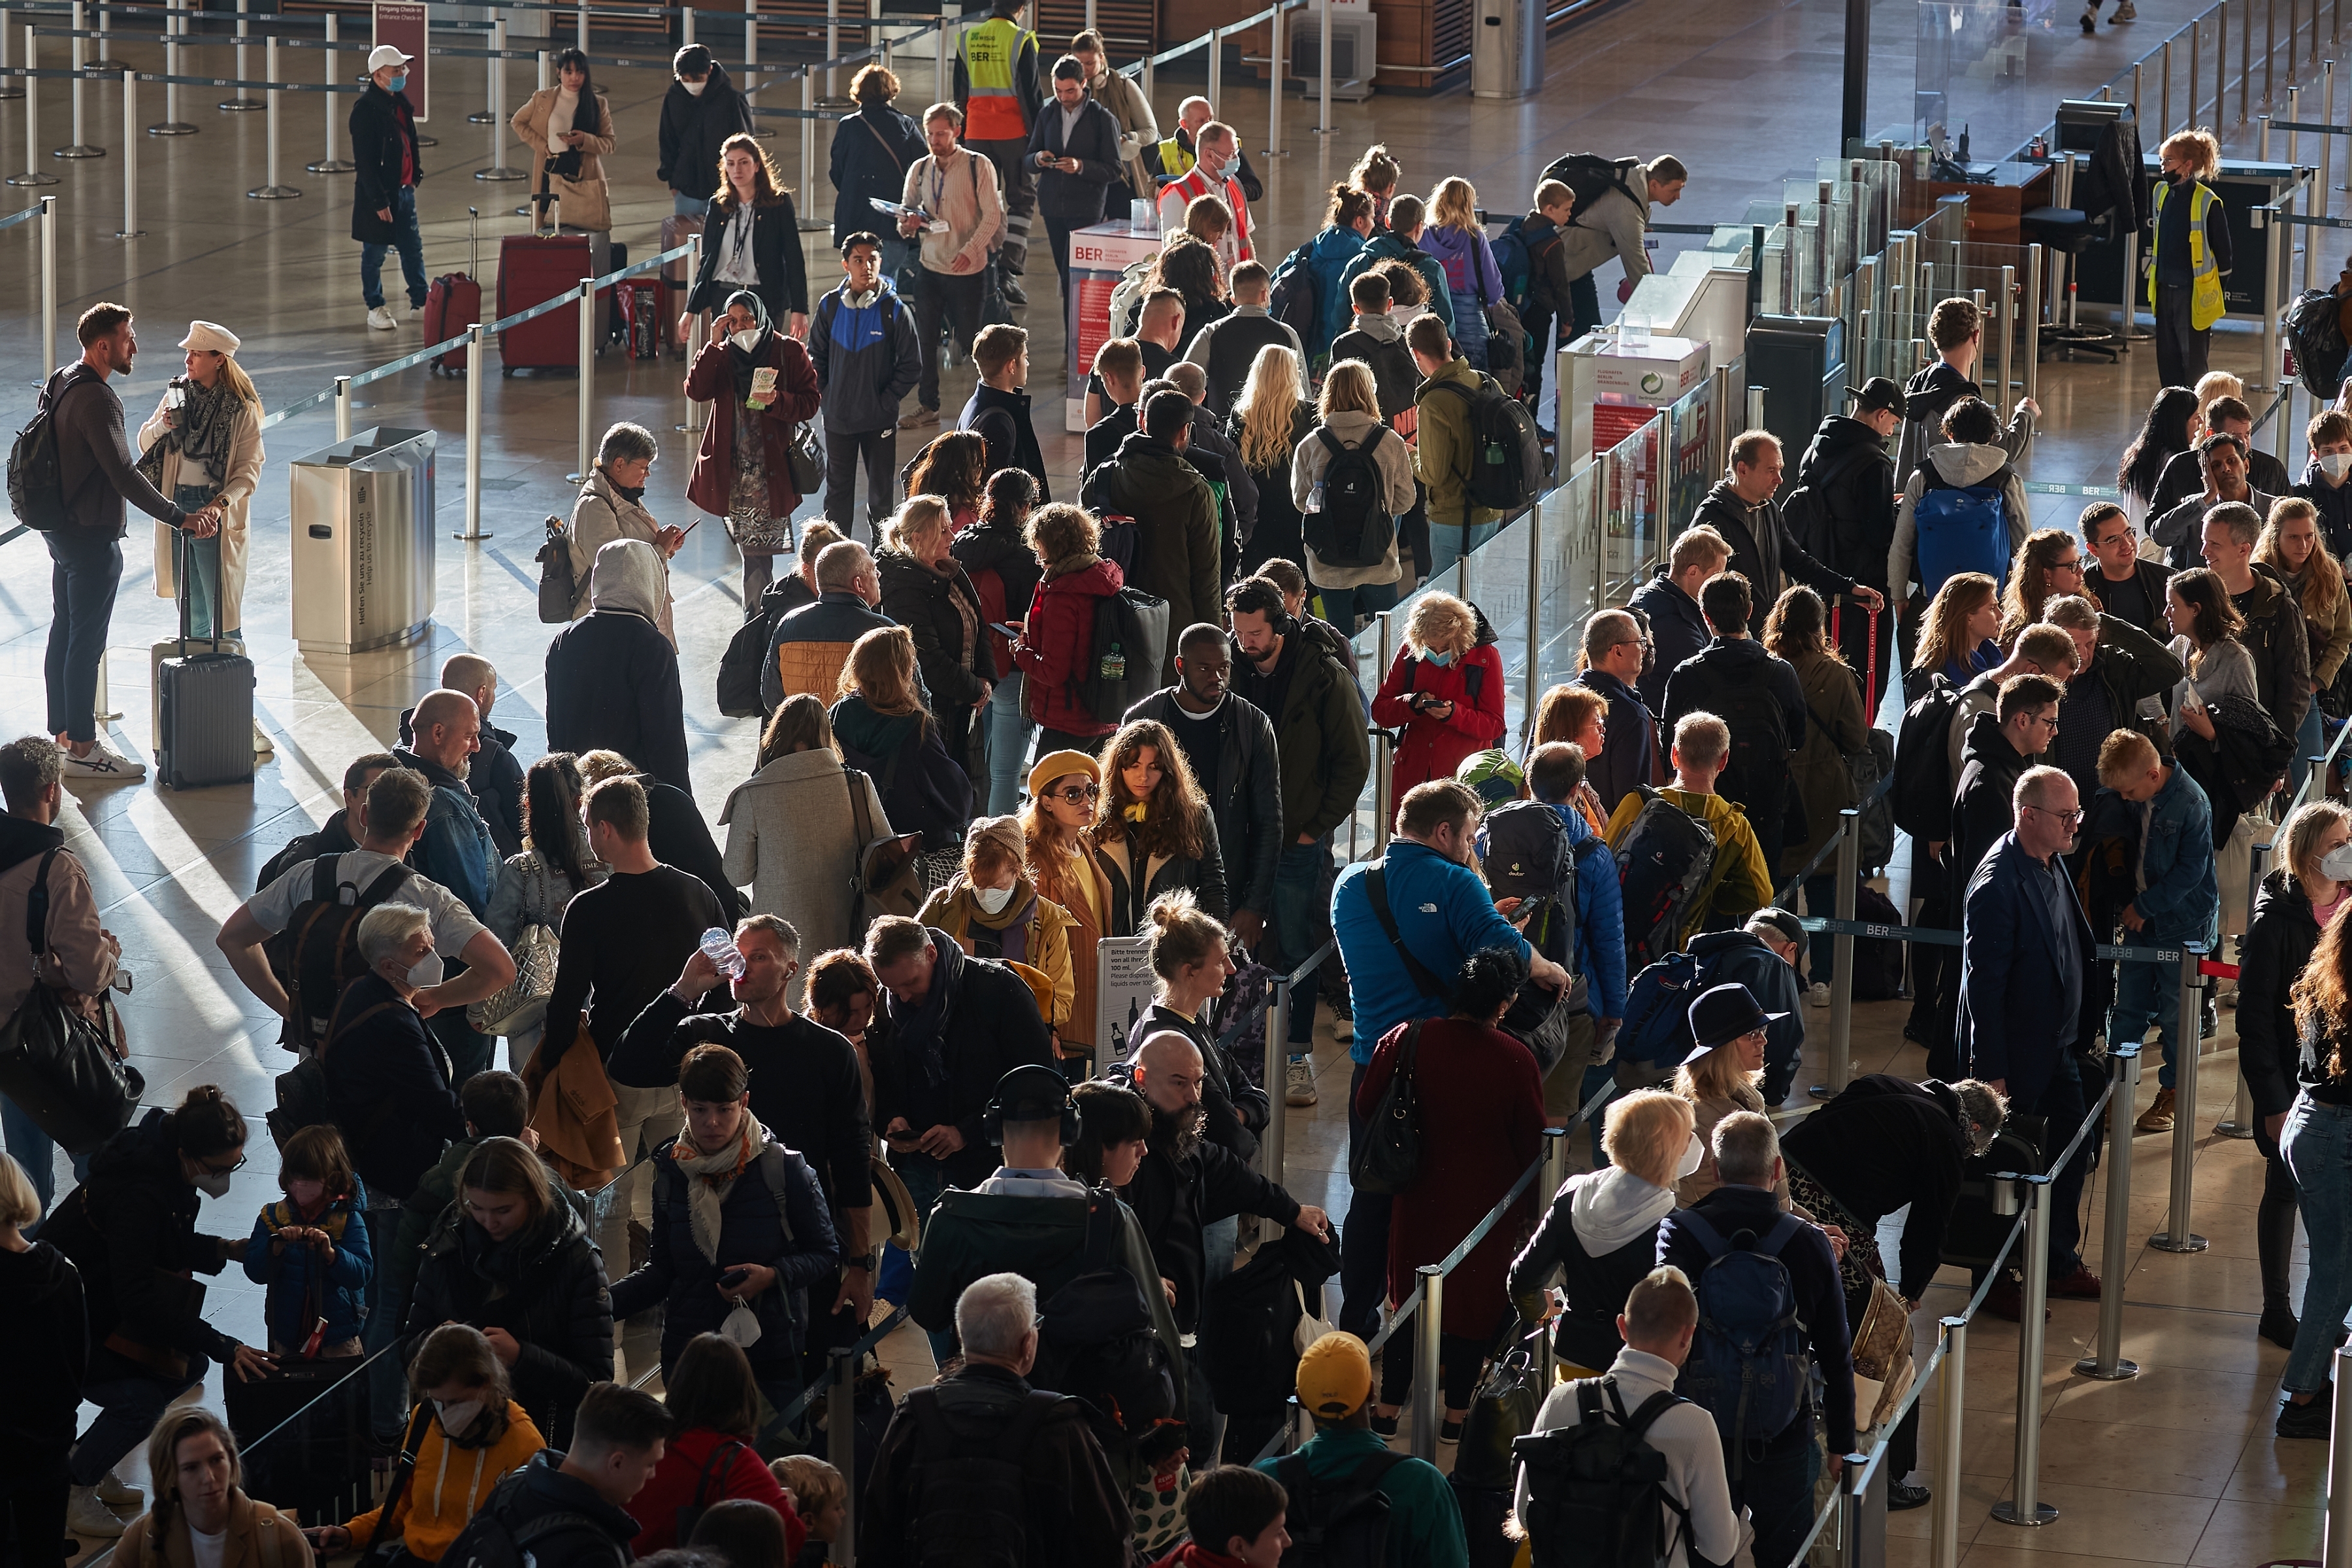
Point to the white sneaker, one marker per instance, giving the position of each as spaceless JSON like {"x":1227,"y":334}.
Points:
{"x":86,"y":1515}
{"x":103,"y":763}
{"x":1818,"y":993}
{"x":1299,"y":1083}
{"x":381,"y":319}
{"x":263,"y":746}
{"x":115,"y":1493}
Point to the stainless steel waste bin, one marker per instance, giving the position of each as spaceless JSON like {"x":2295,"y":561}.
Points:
{"x":1507,"y":48}
{"x":363,"y":565}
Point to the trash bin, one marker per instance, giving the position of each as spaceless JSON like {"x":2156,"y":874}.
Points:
{"x":362,"y":568}
{"x":1507,"y":48}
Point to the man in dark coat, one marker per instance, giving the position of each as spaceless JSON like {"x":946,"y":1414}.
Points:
{"x":386,"y":172}
{"x":2000,"y":746}
{"x":573,"y":1507}
{"x":1741,"y":509}
{"x":1614,"y":648}
{"x":388,"y":1079}
{"x":1852,"y":478}
{"x":999,"y":410}
{"x":701,"y":109}
{"x":1074,"y":147}
{"x":612,"y":676}
{"x":872,"y":150}
{"x":1176,"y":547}
{"x":2121,"y":582}
{"x":1668,"y":605}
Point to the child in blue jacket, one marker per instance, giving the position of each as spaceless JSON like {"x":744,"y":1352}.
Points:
{"x":1555,"y":771}
{"x":311,"y":1249}
{"x":2180,"y":897}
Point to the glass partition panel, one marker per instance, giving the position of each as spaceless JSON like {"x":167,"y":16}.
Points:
{"x":1976,"y":103}
{"x":1567,"y":577}
{"x":1496,"y":579}
{"x":1631,"y":534}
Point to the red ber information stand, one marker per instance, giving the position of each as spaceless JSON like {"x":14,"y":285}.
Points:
{"x":401,"y":24}
{"x":1098,"y":255}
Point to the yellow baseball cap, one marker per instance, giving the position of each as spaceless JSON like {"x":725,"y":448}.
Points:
{"x":1335,"y":1377}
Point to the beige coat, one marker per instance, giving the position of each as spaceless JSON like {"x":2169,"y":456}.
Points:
{"x":600,"y":516}
{"x":243,"y":1548}
{"x":586,"y":202}
{"x":245,"y":460}
{"x":792,"y":838}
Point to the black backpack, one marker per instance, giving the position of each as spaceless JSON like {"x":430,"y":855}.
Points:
{"x":1591,"y":176}
{"x":1529,"y":856}
{"x":1122,"y":668}
{"x":1297,"y":300}
{"x":970,"y":1509}
{"x":37,"y":489}
{"x":1339,"y":1522}
{"x":1097,"y":1343}
{"x":1759,"y":725}
{"x":490,"y":1542}
{"x":1507,"y":462}
{"x":1922,"y":794}
{"x":1661,"y":866}
{"x":325,"y":941}
{"x":745,"y":660}
{"x":1597,"y":1494}
{"x":1355,"y":527}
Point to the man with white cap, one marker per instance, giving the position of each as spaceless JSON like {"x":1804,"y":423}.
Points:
{"x":384,"y":195}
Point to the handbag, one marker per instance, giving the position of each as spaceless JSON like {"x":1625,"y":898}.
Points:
{"x":1503,"y":1411}
{"x":61,"y":1067}
{"x":559,"y":583}
{"x":1312,"y":1324}
{"x":807,"y":454}
{"x":1386,"y":1156}
{"x":522,"y":1005}
{"x":564,"y":166}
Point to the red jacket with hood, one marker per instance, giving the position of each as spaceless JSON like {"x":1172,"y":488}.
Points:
{"x":1058,"y":638}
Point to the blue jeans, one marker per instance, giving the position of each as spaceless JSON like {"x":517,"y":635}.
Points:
{"x":198,"y":564}
{"x":128,"y":1408}
{"x":683,"y":205}
{"x":84,"y":572}
{"x":1299,"y":919}
{"x":2144,"y":991}
{"x":1009,"y":729}
{"x":926,"y":1179}
{"x":2309,"y":742}
{"x":36,"y":1151}
{"x":2316,"y":1143}
{"x":1775,"y":1483}
{"x":408,"y":241}
{"x":387,"y":1380}
{"x":1340,"y":606}
{"x":1450,"y":541}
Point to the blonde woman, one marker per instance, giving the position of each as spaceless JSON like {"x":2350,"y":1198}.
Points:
{"x":1456,"y":239}
{"x":1444,"y":691}
{"x":199,"y":1490}
{"x":1722,"y":1075}
{"x":1063,"y":789}
{"x":1271,"y":417}
{"x":1349,"y":576}
{"x":572,"y":123}
{"x":2188,"y":254}
{"x":926,"y":590}
{"x":993,"y":908}
{"x":201,"y":447}
{"x":881,"y":728}
{"x":794,"y":830}
{"x":2291,"y":547}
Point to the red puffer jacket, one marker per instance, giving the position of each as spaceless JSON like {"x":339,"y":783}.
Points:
{"x":1058,"y":638}
{"x":1434,"y":748}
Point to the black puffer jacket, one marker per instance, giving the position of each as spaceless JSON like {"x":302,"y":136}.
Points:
{"x":1882,"y":1144}
{"x":694,"y":128}
{"x":544,"y":1286}
{"x":2279,"y":942}
{"x":1848,"y":466}
{"x":923,"y":601}
{"x":939,"y":1066}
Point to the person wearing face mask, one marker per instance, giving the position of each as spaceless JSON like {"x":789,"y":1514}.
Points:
{"x":384,"y":144}
{"x":2189,"y":254}
{"x":515,"y":1262}
{"x":387,"y":1077}
{"x":312,"y":1251}
{"x":2329,"y":436}
{"x":1444,"y":690}
{"x":130,"y":1229}
{"x":701,"y":110}
{"x":611,"y":505}
{"x":993,"y":910}
{"x":1217,"y":149}
{"x":466,"y":1432}
{"x":762,"y":388}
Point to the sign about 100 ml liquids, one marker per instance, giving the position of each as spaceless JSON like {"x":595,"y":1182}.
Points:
{"x":1098,"y":255}
{"x":1123,"y":992}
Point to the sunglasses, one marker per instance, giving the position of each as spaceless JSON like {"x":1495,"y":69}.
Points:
{"x":1078,"y":794}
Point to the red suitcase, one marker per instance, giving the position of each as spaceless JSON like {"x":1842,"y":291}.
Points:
{"x":454,"y":302}
{"x":533,"y":268}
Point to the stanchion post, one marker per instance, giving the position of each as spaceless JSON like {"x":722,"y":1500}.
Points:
{"x":1428,"y":1343}
{"x":1951,"y":1386}
{"x":2336,"y":1533}
{"x":2177,"y":1235}
{"x":130,"y":230}
{"x":10,"y":90}
{"x":175,"y":28}
{"x":475,"y":360}
{"x":273,"y":191}
{"x":1849,"y":877}
{"x":587,"y":380}
{"x":80,"y":147}
{"x":105,"y":61}
{"x":2107,"y":1362}
{"x":34,"y":173}
{"x":1276,"y":1057}
{"x":329,"y":163}
{"x":1535,"y":615}
{"x":686,"y":26}
{"x":698,"y":413}
{"x":1273,"y":148}
{"x":2025,"y":1506}
{"x":840,"y":1437}
{"x":240,"y":104}
{"x":343,"y":409}
{"x":808,"y":129}
{"x":580,"y":27}
{"x":1216,"y":65}
{"x":497,"y":121}
{"x":48,"y":271}
{"x":1323,"y":126}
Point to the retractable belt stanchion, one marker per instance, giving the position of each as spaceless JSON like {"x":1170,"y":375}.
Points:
{"x":34,"y":174}
{"x":105,"y":61}
{"x":841,"y":1440}
{"x":1951,"y":1386}
{"x":2025,"y":1506}
{"x":498,"y":64}
{"x":329,"y":163}
{"x":9,"y":88}
{"x":1426,"y":1331}
{"x":273,"y":191}
{"x":1273,"y":148}
{"x":49,"y":274}
{"x":2107,"y":1362}
{"x":2176,"y":1236}
{"x":343,"y":409}
{"x":697,"y":413}
{"x":130,"y":230}
{"x":175,"y":26}
{"x":475,"y":360}
{"x":239,"y":104}
{"x":587,"y":434}
{"x":80,"y":146}
{"x":1848,"y":879}
{"x":1554,"y":1176}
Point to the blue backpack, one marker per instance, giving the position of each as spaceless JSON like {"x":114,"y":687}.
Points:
{"x":1961,"y":528}
{"x":1510,"y":248}
{"x":1657,"y":1011}
{"x":1748,"y":1367}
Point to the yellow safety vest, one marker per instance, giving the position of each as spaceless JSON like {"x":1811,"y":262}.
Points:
{"x":1176,"y":160}
{"x":990,"y":51}
{"x":2204,"y":273}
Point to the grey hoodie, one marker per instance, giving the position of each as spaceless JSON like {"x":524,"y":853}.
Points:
{"x":1962,"y":463}
{"x":1611,"y":1206}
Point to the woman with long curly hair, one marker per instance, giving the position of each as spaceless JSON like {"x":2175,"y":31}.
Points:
{"x":2291,"y":547}
{"x":1153,"y":832}
{"x":2163,"y":436}
{"x":954,"y":468}
{"x":2316,"y":1139}
{"x":1271,"y":417}
{"x":2048,"y":566}
{"x":1444,"y":690}
{"x":1956,"y":637}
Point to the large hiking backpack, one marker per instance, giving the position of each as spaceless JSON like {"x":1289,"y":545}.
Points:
{"x":1122,"y":668}
{"x":1657,"y":1011}
{"x":969,"y":1509}
{"x":1507,"y":462}
{"x":325,"y":932}
{"x":37,"y":489}
{"x":1515,"y":262}
{"x":1298,"y":298}
{"x":1662,"y":864}
{"x":1591,"y":176}
{"x":1597,"y":1494}
{"x":1097,"y":1344}
{"x":1922,"y":792}
{"x":1749,"y":1366}
{"x":1758,"y":762}
{"x":1355,"y":527}
{"x":1529,"y":856}
{"x":1339,"y":1523}
{"x":1961,"y":528}
{"x":2315,"y":331}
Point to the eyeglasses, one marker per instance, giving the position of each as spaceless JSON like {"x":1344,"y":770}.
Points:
{"x":2075,"y":565}
{"x":1078,"y":794}
{"x":2069,"y":817}
{"x":2052,"y":721}
{"x":211,"y":1170}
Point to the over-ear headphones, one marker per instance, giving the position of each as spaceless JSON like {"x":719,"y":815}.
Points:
{"x":1030,"y":1092}
{"x":1263,"y":596}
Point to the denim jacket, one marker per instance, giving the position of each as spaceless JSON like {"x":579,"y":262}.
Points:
{"x":2182,"y":900}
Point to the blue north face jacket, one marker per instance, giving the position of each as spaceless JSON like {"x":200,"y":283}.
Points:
{"x":867,"y":358}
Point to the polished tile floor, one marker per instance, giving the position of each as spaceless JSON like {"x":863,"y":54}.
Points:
{"x":2176,"y":1466}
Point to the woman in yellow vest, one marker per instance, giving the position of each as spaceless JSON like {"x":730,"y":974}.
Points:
{"x":2189,"y":256}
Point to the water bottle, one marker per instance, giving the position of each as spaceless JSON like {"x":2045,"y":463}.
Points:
{"x":1315,"y":497}
{"x":719,"y":948}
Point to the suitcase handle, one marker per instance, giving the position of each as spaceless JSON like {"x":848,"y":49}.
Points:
{"x":185,"y":550}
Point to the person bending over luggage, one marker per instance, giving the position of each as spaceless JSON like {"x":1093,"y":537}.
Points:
{"x":1637,"y":1391}
{"x":1016,"y":1463}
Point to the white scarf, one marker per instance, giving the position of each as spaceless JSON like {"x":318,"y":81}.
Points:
{"x":710,"y":1178}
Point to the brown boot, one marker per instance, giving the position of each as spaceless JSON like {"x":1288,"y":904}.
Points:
{"x":2157,"y":1117}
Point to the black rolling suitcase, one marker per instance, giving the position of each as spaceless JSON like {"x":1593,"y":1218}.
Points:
{"x":1975,"y":1231}
{"x":204,"y":709}
{"x":301,"y":1437}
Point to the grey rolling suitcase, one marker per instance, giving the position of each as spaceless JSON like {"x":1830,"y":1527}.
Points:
{"x":204,"y":710}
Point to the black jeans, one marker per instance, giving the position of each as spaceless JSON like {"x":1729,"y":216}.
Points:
{"x":1584,"y":297}
{"x":1774,"y":1482}
{"x":842,"y":448}
{"x":953,"y":300}
{"x":1363,"y":1243}
{"x":1057,"y":235}
{"x":2064,"y":1104}
{"x":2182,"y":353}
{"x":86,"y":568}
{"x":33,"y":1499}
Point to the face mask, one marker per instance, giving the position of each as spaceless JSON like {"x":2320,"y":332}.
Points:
{"x":2337,"y":864}
{"x":306,"y":1194}
{"x":2336,"y":464}
{"x":694,"y":88}
{"x":993,"y":900}
{"x":428,"y":973}
{"x":458,"y":1415}
{"x":1439,"y":659}
{"x":746,"y":341}
{"x":212,"y":1184}
{"x":399,"y":82}
{"x":1694,"y":1156}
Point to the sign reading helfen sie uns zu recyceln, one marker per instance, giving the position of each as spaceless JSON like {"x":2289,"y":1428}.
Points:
{"x":401,"y":24}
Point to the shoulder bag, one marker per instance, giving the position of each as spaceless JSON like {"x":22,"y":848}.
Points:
{"x":558,"y":584}
{"x":62,"y":1068}
{"x":1385,"y":1158}
{"x":522,"y":1004}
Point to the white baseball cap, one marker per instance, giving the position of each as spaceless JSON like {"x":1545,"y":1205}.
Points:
{"x":385,"y":54}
